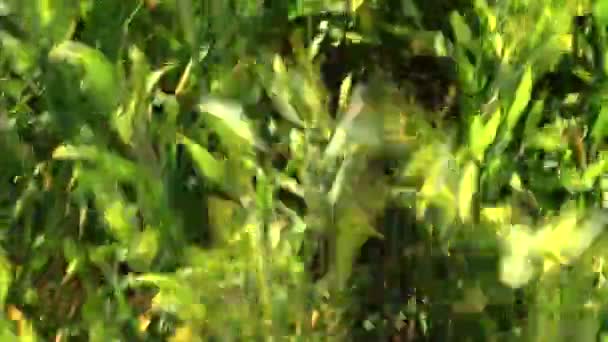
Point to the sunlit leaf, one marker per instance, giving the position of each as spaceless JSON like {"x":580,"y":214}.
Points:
{"x":549,"y":138}
{"x":481,"y":136}
{"x":516,"y":268}
{"x":497,"y":215}
{"x":467,"y":191}
{"x":566,"y":239}
{"x":6,"y":277}
{"x":522,"y":97}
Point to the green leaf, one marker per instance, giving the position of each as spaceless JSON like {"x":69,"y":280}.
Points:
{"x":222,"y":215}
{"x":107,"y":162}
{"x":232,"y":115}
{"x":345,"y":90}
{"x":6,"y":277}
{"x":342,"y":132}
{"x":522,"y":97}
{"x":534,"y":118}
{"x":600,"y":127}
{"x":474,"y":301}
{"x":600,"y":12}
{"x":281,"y":91}
{"x":460,"y":27}
{"x":549,"y":138}
{"x":314,"y":7}
{"x":205,"y":163}
{"x":497,"y":215}
{"x":186,"y":17}
{"x":22,"y":56}
{"x":467,"y":191}
{"x":515,"y":267}
{"x":409,"y":9}
{"x":49,"y":21}
{"x":143,"y":249}
{"x":482,"y":136}
{"x":121,"y":219}
{"x":354,"y":229}
{"x":565,"y":238}
{"x":98,"y":76}
{"x":575,"y":181}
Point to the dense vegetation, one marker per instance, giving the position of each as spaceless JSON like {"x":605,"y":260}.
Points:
{"x":307,"y":170}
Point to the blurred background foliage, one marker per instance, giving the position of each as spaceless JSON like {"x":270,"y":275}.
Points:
{"x":359,"y":170}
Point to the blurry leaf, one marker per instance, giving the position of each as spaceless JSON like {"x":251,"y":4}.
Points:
{"x":467,"y":191}
{"x":355,"y":4}
{"x":186,"y":17}
{"x":239,"y":83}
{"x":232,"y":115}
{"x":474,"y":301}
{"x":185,"y":333}
{"x":345,"y":89}
{"x":575,"y":181}
{"x":566,"y":239}
{"x":154,"y":77}
{"x":315,"y":45}
{"x":438,"y":192}
{"x":275,"y":230}
{"x":497,"y":215}
{"x":6,"y":277}
{"x":281,"y":92}
{"x":338,"y":184}
{"x":460,"y":27}
{"x":516,"y":271}
{"x":314,"y":7}
{"x":20,"y":54}
{"x":121,"y":219}
{"x":52,"y":20}
{"x":354,"y":229}
{"x":522,"y":97}
{"x":109,"y":163}
{"x":341,"y":133}
{"x":534,"y":118}
{"x":550,"y":138}
{"x":205,"y":163}
{"x":600,"y":12}
{"x":143,"y":249}
{"x":515,"y":265}
{"x":482,"y":136}
{"x":221,"y":218}
{"x":600,"y":127}
{"x":409,"y":9}
{"x":516,"y":183}
{"x":98,"y":77}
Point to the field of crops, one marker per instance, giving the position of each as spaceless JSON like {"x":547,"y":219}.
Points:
{"x":303,"y":170}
